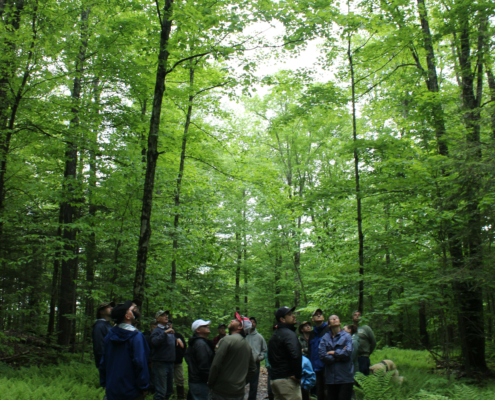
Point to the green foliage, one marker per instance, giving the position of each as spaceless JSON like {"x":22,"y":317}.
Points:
{"x":376,"y":387}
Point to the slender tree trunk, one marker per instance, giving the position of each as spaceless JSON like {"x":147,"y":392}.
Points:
{"x":238,"y":267}
{"x":491,"y":85}
{"x":68,"y":207}
{"x":152,"y":155}
{"x":175,"y":242}
{"x":55,"y":280}
{"x":423,"y":331}
{"x":356,"y":178}
{"x":278,"y":268}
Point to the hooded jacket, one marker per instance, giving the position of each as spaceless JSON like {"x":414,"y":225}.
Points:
{"x":124,"y":366}
{"x":163,"y":345}
{"x":284,"y":353}
{"x":258,"y":345}
{"x":338,"y":367}
{"x":314,"y":342}
{"x":308,"y":378}
{"x":199,"y":356}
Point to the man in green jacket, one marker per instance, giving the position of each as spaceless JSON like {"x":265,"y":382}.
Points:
{"x":367,"y":343}
{"x":233,"y":365}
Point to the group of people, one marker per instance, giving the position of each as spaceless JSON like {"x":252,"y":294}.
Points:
{"x":322,"y":359}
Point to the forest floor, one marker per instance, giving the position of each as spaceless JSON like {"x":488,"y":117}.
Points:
{"x":71,"y":379}
{"x":262,"y":386}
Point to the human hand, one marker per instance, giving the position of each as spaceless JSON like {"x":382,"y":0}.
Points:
{"x":179,"y":343}
{"x":170,"y":330}
{"x":298,"y":381}
{"x":331,"y":353}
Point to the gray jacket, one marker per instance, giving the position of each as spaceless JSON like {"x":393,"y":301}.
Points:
{"x":258,"y":345}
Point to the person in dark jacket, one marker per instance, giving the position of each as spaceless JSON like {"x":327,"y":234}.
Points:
{"x":305,"y":330}
{"x":147,"y":336}
{"x":335,"y":351}
{"x":221,"y":333}
{"x":180,"y":350}
{"x":163,"y":341}
{"x":124,"y":365}
{"x":101,"y":327}
{"x":285,"y":357}
{"x":199,"y":356}
{"x":320,"y":328}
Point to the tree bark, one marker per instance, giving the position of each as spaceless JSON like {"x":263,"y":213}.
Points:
{"x":152,"y":155}
{"x":356,"y":178}
{"x":68,"y":206}
{"x":423,"y":331}
{"x":175,"y":235}
{"x":491,"y":85}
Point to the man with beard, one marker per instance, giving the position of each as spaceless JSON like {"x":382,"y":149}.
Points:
{"x":233,"y":366}
{"x":101,"y":327}
{"x":124,"y":365}
{"x":285,"y":357}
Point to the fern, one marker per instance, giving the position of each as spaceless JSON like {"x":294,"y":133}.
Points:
{"x":376,"y":387}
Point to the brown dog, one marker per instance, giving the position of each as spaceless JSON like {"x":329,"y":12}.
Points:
{"x":388,"y":366}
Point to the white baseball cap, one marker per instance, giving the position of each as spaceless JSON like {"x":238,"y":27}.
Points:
{"x":199,"y":322}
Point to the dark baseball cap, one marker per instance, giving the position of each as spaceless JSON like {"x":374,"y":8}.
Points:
{"x":105,"y":304}
{"x":282,"y":312}
{"x":118,"y":312}
{"x":302,"y":325}
{"x":222,"y":326}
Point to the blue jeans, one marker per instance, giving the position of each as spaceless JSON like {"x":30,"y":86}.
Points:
{"x":164,"y":380}
{"x":199,"y":390}
{"x":364,"y":365}
{"x":253,"y":385}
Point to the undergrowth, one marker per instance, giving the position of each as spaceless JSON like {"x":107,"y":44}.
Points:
{"x":74,"y":380}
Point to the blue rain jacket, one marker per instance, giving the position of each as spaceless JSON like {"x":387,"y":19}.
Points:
{"x":308,"y":378}
{"x":338,"y":367}
{"x":314,"y":343}
{"x":124,"y":365}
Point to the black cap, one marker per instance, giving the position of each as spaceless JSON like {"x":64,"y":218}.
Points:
{"x":222,"y":326}
{"x":119,"y":310}
{"x":253,"y":318}
{"x":282,"y":312}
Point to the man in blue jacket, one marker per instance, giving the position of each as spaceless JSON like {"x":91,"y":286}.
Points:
{"x":163,"y":340}
{"x":124,"y":365}
{"x":335,"y":351}
{"x":320,"y":328}
{"x":101,"y":327}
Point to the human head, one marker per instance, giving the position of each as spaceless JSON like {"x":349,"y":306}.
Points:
{"x":305,"y":327}
{"x":351,"y":329}
{"x":104,"y":310}
{"x":334,"y":321}
{"x":201,"y":327}
{"x":221,"y":329}
{"x":162,"y":317}
{"x":153,"y":324}
{"x":235,"y":327}
{"x":253,"y":322}
{"x":285,"y":315}
{"x":356,"y":317}
{"x":123,"y":313}
{"x":318,"y":318}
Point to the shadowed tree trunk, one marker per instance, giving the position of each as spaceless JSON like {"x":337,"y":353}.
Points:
{"x":68,"y":206}
{"x":152,"y":154}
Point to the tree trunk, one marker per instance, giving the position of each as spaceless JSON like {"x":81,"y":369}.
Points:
{"x":175,"y":242}
{"x":152,"y":155}
{"x":68,"y":207}
{"x":55,"y":280}
{"x":238,"y":271}
{"x":356,"y":177}
{"x":491,"y":85}
{"x":423,"y":331}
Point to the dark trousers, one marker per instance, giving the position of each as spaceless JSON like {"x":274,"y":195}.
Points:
{"x":364,"y":365}
{"x":199,"y":390}
{"x":164,"y":380}
{"x":98,"y":359}
{"x":320,"y":385}
{"x":305,"y":394}
{"x":269,"y":386}
{"x":342,"y":391}
{"x":253,"y":384}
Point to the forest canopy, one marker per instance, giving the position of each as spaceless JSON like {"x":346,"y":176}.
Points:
{"x":145,"y":153}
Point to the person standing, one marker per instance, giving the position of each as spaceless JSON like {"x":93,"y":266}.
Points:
{"x":233,"y":365}
{"x":163,"y":341}
{"x":221,"y":333}
{"x":147,"y":336}
{"x":335,"y":351}
{"x":101,"y":327}
{"x":320,"y":328}
{"x":285,"y":357}
{"x":180,"y":350}
{"x":367,"y":343}
{"x":351,"y":330}
{"x":258,"y":345}
{"x":305,"y":330}
{"x":199,"y":356}
{"x":124,"y":365}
